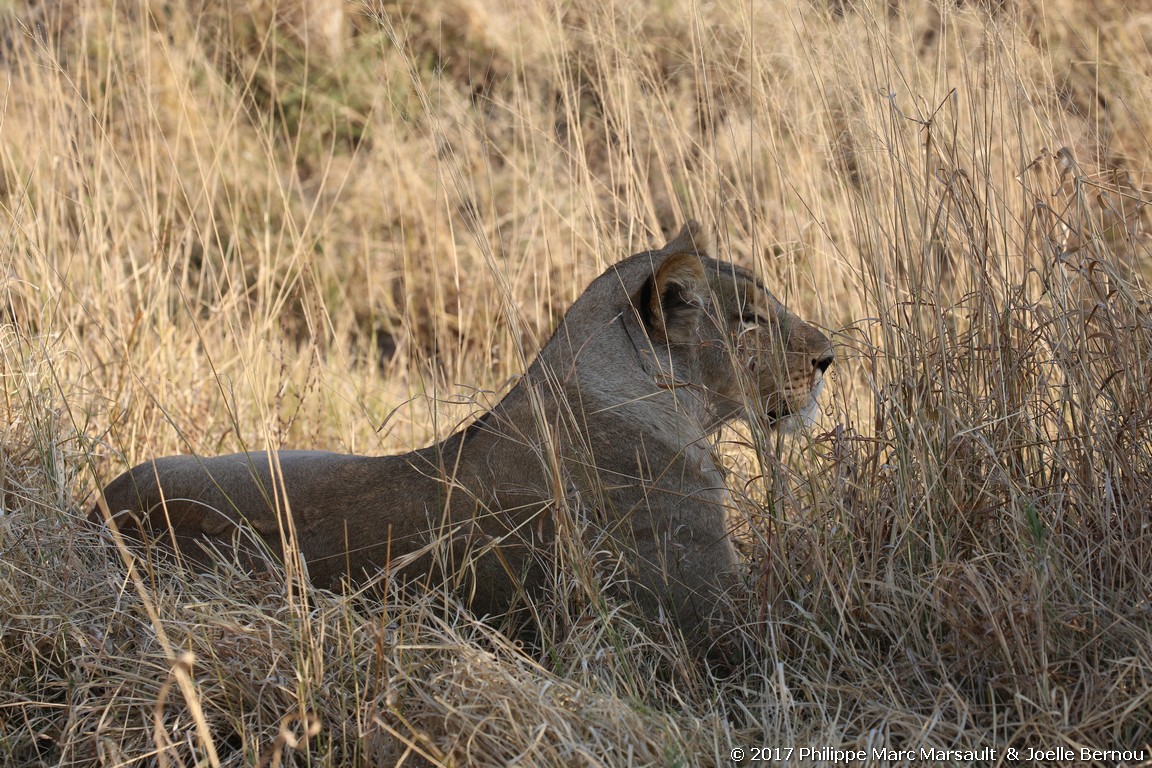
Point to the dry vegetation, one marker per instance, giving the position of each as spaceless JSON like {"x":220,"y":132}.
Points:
{"x":231,"y":226}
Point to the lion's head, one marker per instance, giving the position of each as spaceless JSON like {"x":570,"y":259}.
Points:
{"x":730,"y":337}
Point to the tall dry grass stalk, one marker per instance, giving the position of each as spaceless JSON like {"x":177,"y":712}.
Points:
{"x":322,"y":225}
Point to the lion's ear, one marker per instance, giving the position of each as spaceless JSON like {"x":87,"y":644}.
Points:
{"x":691,"y":239}
{"x":673,"y":298}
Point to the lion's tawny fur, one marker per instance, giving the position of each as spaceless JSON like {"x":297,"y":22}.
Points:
{"x":612,"y":419}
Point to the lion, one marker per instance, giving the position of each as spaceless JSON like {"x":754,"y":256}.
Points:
{"x":613,"y":420}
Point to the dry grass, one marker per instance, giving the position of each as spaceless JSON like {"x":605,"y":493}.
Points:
{"x":319,"y":225}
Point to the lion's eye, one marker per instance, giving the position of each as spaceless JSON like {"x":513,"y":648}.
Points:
{"x":751,"y":318}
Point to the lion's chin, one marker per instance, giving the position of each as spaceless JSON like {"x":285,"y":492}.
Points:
{"x":787,"y":418}
{"x":793,"y":421}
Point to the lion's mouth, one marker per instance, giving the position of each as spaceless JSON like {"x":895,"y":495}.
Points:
{"x":782,"y":415}
{"x":788,"y":416}
{"x":776,"y":415}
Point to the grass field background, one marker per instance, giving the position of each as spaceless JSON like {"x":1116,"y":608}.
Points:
{"x":315,"y":224}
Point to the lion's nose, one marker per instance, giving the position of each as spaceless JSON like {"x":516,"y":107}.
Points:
{"x":821,"y":363}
